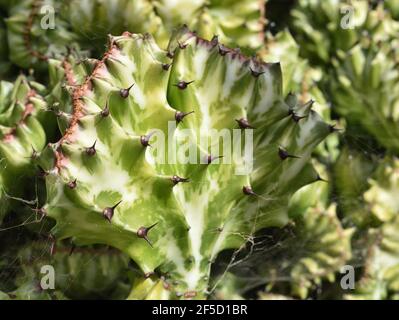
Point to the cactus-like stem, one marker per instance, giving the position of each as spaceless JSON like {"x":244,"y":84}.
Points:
{"x":175,"y":217}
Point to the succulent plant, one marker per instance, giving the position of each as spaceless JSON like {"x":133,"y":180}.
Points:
{"x":21,"y":133}
{"x":369,"y":197}
{"x":325,"y":27}
{"x":380,"y":278}
{"x":175,"y":167}
{"x":175,"y":217}
{"x":351,"y":173}
{"x":359,"y":62}
{"x":33,"y":38}
{"x":364,"y":85}
{"x":235,"y":22}
{"x":91,"y":21}
{"x":300,"y":78}
{"x":310,"y":249}
{"x":368,"y":201}
{"x":328,"y":248}
{"x":80,"y":272}
{"x":381,"y":197}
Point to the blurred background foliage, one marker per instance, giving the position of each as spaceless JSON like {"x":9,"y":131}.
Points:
{"x":344,"y":55}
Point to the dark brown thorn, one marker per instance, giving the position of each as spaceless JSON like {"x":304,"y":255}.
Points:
{"x":223,"y":50}
{"x":170,"y":55}
{"x":211,"y":158}
{"x":72,"y":184}
{"x":52,"y":244}
{"x":34,"y":154}
{"x":255,"y":73}
{"x":183,"y":84}
{"x":42,"y":173}
{"x":332,"y":128}
{"x":177,"y":179}
{"x":215,"y":40}
{"x":244,"y":124}
{"x":105,"y":112}
{"x":295,"y":117}
{"x":73,"y":247}
{"x":108,"y":212}
{"x":247,"y":190}
{"x":179,"y":115}
{"x":145,"y":140}
{"x":182,"y":45}
{"x":283,"y":154}
{"x":142,"y":233}
{"x":310,"y":103}
{"x":91,"y":151}
{"x":125,"y":92}
{"x":166,"y":66}
{"x":68,"y":50}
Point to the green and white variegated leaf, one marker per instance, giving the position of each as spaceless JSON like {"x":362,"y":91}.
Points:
{"x":186,"y":223}
{"x":21,"y":133}
{"x":312,"y":195}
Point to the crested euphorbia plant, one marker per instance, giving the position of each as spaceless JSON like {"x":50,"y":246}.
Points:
{"x":106,"y":183}
{"x":39,"y":30}
{"x":22,"y":109}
